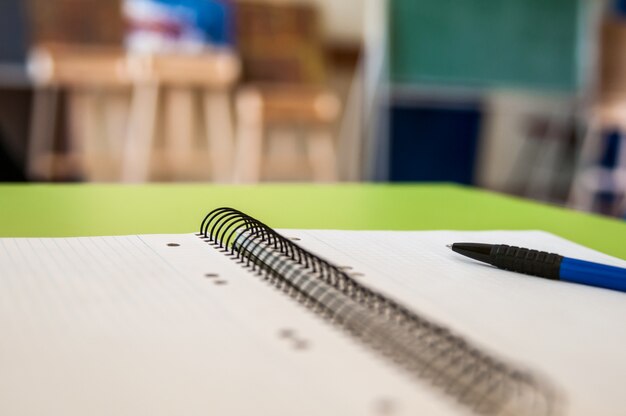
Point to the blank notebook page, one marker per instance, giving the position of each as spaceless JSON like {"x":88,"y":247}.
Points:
{"x":166,"y":324}
{"x":573,"y":335}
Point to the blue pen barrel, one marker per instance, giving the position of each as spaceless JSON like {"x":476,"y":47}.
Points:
{"x":593,"y":274}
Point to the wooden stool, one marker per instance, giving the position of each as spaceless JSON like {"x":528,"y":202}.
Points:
{"x":286,"y":107}
{"x":214,"y":74}
{"x":90,"y":73}
{"x":87,"y":74}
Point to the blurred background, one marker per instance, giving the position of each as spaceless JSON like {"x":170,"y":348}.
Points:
{"x":526,"y":97}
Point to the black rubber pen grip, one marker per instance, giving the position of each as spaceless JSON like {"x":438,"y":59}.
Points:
{"x":523,"y":260}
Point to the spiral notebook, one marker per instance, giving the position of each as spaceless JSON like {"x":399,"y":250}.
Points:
{"x":241,"y":319}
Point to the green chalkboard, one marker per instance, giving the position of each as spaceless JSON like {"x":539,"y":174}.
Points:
{"x":485,"y":43}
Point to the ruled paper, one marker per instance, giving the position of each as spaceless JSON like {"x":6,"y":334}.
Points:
{"x":574,"y":335}
{"x":166,"y":324}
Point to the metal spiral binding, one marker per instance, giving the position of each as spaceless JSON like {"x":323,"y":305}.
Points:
{"x":420,"y":346}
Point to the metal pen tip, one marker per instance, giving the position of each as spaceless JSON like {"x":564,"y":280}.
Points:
{"x":449,"y":245}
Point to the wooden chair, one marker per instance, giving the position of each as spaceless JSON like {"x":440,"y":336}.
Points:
{"x":592,"y":180}
{"x":285,"y":92}
{"x":607,"y":113}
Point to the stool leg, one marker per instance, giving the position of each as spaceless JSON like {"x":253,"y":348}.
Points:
{"x":580,"y":197}
{"x":85,"y":130}
{"x":116,"y":108}
{"x":180,"y":134}
{"x":541,"y":176}
{"x":220,"y":135}
{"x":140,"y":135}
{"x":282,"y":155}
{"x":323,"y":156}
{"x":41,"y":158}
{"x":249,"y":143}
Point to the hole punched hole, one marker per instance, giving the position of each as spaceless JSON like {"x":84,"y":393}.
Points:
{"x":173,"y":245}
{"x":286,"y":333}
{"x":384,"y":407}
{"x":301,"y":345}
{"x":220,"y":282}
{"x":295,"y":239}
{"x":211,"y":275}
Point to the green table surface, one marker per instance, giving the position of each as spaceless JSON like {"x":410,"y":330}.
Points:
{"x":85,"y":210}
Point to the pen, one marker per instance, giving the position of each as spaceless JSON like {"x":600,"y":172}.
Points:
{"x":546,"y":265}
